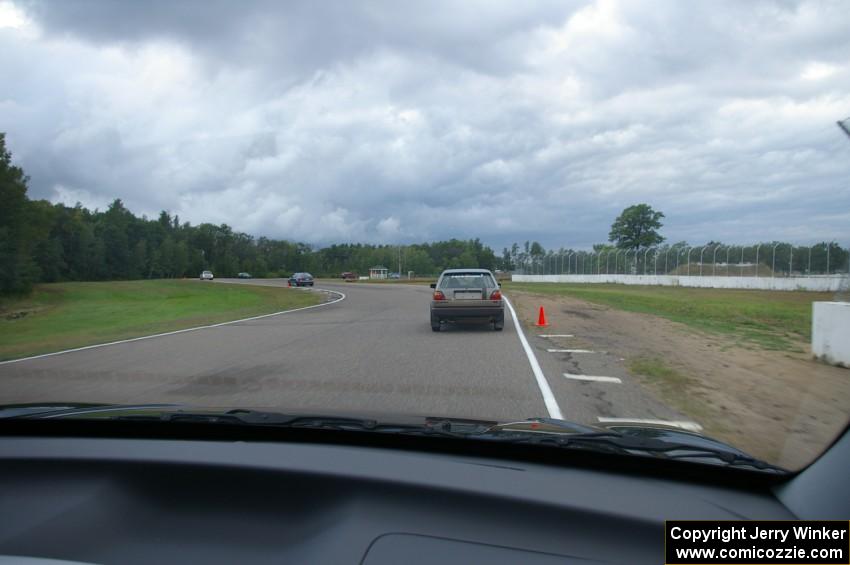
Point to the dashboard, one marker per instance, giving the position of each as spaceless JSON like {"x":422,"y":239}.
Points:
{"x":120,"y":500}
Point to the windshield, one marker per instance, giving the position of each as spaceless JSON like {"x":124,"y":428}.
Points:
{"x":466,"y":280}
{"x":631,"y":217}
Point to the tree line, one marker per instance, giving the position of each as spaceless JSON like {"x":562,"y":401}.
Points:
{"x":45,"y":242}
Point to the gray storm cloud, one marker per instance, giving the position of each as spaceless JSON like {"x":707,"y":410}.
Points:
{"x":390,"y":122}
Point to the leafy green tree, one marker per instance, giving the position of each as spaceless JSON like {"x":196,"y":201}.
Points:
{"x":637,"y":227}
{"x":113,"y":231}
{"x":537,"y":250}
{"x":18,"y":270}
{"x":506,"y":261}
{"x":139,"y":261}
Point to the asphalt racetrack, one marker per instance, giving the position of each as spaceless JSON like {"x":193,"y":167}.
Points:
{"x":371,"y":351}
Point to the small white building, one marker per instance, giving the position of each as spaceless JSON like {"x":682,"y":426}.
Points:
{"x":378,"y":272}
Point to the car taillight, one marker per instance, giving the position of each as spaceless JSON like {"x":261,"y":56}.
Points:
{"x":496,"y":295}
{"x":438,"y":295}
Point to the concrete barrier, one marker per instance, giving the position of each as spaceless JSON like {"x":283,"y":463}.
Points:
{"x":831,"y":332}
{"x":824,"y":283}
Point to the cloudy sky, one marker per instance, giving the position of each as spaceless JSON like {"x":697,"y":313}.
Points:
{"x":409,"y":121}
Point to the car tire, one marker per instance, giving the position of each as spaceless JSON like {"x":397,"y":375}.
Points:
{"x":435,"y":323}
{"x":499,"y":324}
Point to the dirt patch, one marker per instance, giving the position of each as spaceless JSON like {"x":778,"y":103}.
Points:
{"x":780,"y":406}
{"x":579,"y":313}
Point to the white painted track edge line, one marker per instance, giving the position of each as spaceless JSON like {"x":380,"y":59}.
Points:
{"x":570,"y":351}
{"x":593,"y":378}
{"x":555,"y":335}
{"x":184,"y":330}
{"x":548,"y":398}
{"x":684,"y":424}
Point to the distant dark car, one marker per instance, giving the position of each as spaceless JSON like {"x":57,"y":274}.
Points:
{"x":244,"y":275}
{"x":301,"y":279}
{"x":394,"y":276}
{"x":348,"y":276}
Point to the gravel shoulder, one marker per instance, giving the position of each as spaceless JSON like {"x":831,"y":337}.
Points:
{"x":780,"y":406}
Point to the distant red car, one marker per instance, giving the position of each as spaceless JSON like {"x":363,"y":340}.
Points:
{"x":349,"y":276}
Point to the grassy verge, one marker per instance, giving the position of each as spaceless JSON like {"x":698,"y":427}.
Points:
{"x":675,"y":389}
{"x":666,"y":378}
{"x":418,"y":280}
{"x":66,"y":315}
{"x":768,"y":319}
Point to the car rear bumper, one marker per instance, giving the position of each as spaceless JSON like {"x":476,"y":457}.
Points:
{"x":451,"y":311}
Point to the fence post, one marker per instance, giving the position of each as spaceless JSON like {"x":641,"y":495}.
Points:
{"x":828,"y":245}
{"x":757,"y":260}
{"x":791,"y":260}
{"x":689,"y":261}
{"x":741,"y":270}
{"x":701,"y":251}
{"x":714,"y":261}
{"x":773,"y":262}
{"x":655,"y":268}
{"x":728,"y":249}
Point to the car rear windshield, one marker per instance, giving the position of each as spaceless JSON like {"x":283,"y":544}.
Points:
{"x":467,"y":280}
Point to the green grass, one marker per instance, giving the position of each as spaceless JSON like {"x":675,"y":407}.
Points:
{"x":768,"y":319}
{"x":675,"y":389}
{"x":66,"y":315}
{"x":417,"y":280}
{"x":654,"y":369}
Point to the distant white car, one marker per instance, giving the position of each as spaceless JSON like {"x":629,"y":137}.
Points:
{"x":207,"y":276}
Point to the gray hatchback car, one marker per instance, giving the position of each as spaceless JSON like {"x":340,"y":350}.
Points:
{"x":467,"y":294}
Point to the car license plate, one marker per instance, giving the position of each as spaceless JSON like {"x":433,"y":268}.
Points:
{"x":468,"y":295}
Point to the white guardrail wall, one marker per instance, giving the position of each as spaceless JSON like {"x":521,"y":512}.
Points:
{"x":831,"y":332}
{"x":822,"y":283}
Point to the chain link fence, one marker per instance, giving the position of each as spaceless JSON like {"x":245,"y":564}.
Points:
{"x":760,"y":260}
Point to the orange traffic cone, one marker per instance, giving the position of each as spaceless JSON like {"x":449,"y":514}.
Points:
{"x":541,"y":318}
